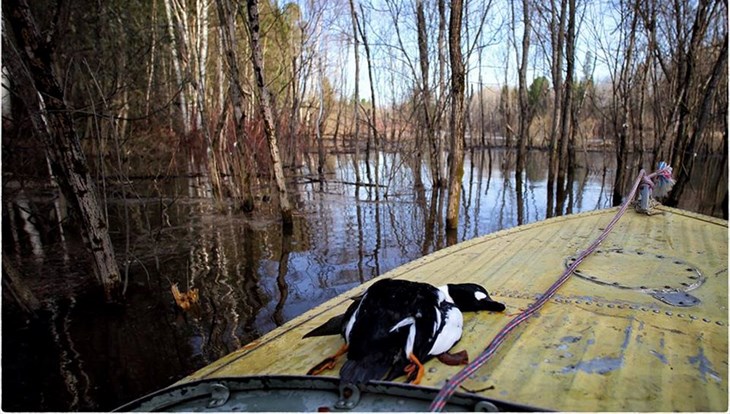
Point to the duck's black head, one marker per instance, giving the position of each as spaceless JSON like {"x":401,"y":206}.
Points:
{"x":470,"y":297}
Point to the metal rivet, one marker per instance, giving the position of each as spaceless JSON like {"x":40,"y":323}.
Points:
{"x":599,"y":304}
{"x":610,"y":306}
{"x":692,"y":317}
{"x":668,"y":313}
{"x":656,"y":311}
{"x":705,"y":320}
{"x":719,"y":323}
{"x":643,"y":309}
{"x":680,"y":315}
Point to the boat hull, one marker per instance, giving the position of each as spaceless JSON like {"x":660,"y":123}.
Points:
{"x":641,"y":326}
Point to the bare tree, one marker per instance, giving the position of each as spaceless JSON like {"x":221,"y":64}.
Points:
{"x":554,"y":16}
{"x":356,"y":94}
{"x":439,"y":145}
{"x":621,"y":100}
{"x":524,"y":104}
{"x":32,"y":66}
{"x":566,"y":132}
{"x":265,"y":107}
{"x":227,"y":16}
{"x":427,"y":124}
{"x":694,"y":108}
{"x":456,"y":157}
{"x":373,"y":140}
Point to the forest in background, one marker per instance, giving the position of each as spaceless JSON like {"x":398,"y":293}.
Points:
{"x":242,"y":92}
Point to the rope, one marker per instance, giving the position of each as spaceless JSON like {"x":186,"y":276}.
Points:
{"x":449,"y":388}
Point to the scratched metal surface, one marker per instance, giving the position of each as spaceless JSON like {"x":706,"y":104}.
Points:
{"x":603,"y":343}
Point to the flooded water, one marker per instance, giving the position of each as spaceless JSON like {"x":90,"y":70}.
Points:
{"x":76,"y":354}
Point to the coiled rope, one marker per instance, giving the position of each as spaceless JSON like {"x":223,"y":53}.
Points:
{"x":664,"y":173}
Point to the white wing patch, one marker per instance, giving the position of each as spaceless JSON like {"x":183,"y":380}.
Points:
{"x":444,"y":294}
{"x":480,"y":295}
{"x":351,"y":322}
{"x":450,"y":333}
{"x":411,"y":333}
{"x":405,"y":322}
{"x":437,"y":323}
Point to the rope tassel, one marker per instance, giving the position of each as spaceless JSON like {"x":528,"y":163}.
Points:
{"x":664,"y":178}
{"x":664,"y":181}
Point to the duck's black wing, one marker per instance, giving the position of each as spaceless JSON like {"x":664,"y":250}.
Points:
{"x":331,"y":327}
{"x":382,"y":324}
{"x":335,"y":325}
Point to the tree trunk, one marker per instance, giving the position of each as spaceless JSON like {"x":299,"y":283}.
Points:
{"x":557,"y":30}
{"x":356,"y":98}
{"x":427,"y":120}
{"x":621,"y":115}
{"x":33,"y":68}
{"x":373,"y":121}
{"x":688,"y":153}
{"x":565,"y":117}
{"x":320,"y":113}
{"x":438,"y":122}
{"x":456,"y":166}
{"x":268,"y":118}
{"x":227,"y":17}
{"x":524,"y":127}
{"x":179,"y":65}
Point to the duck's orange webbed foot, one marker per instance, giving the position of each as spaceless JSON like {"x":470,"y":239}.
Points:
{"x":414,"y":370}
{"x":328,"y":363}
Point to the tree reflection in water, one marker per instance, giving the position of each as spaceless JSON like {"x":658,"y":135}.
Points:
{"x":79,"y":355}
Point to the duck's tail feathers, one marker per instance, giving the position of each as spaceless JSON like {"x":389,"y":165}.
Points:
{"x":331,"y":327}
{"x":371,"y":367}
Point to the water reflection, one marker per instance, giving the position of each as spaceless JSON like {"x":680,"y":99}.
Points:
{"x":79,"y":355}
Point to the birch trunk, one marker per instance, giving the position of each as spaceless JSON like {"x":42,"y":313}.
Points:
{"x":227,"y":17}
{"x":177,"y":64}
{"x":265,"y":106}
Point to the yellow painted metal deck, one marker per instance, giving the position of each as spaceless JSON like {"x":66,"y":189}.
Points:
{"x":603,"y":343}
